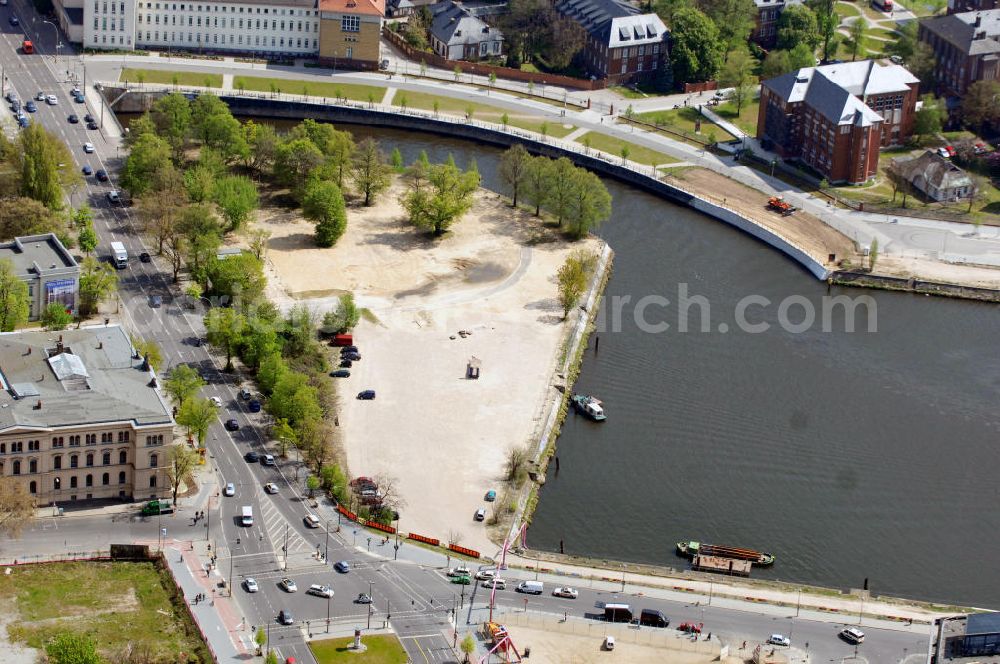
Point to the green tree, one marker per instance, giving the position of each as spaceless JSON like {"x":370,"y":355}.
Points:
{"x":72,"y":648}
{"x":775,"y":64}
{"x":334,"y":481}
{"x":202,"y":236}
{"x":260,"y":638}
{"x":468,"y":646}
{"x":344,"y":318}
{"x":293,"y":162}
{"x":797,"y":25}
{"x":183,"y":383}
{"x":397,"y":160}
{"x":312,"y":483}
{"x":81,"y":217}
{"x":41,"y":155}
{"x":734,"y":18}
{"x":272,"y":657}
{"x":738,"y":75}
{"x":448,"y":197}
{"x":150,"y":350}
{"x":858,"y":32}
{"x":297,"y":401}
{"x":562,"y":189}
{"x":21,"y":216}
{"x":141,"y":125}
{"x":369,"y":171}
{"x":283,"y":432}
{"x":979,"y":105}
{"x":589,"y":204}
{"x":572,"y":279}
{"x":98,"y":282}
{"x":14,"y":304}
{"x":196,"y":415}
{"x":88,"y":239}
{"x":199,"y":184}
{"x":236,"y":196}
{"x":872,"y":254}
{"x":55,"y":316}
{"x":172,"y":116}
{"x":827,"y":22}
{"x":801,"y":56}
{"x":917,"y":55}
{"x":323,"y":204}
{"x":698,"y":49}
{"x":271,"y":370}
{"x":538,"y":181}
{"x":149,"y":155}
{"x":262,"y":142}
{"x":225,"y":331}
{"x":929,"y":119}
{"x":181,"y":461}
{"x":224,"y":133}
{"x":514,"y":166}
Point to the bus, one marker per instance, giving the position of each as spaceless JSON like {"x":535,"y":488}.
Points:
{"x":27,"y":46}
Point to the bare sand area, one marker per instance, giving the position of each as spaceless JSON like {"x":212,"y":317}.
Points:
{"x":442,"y":437}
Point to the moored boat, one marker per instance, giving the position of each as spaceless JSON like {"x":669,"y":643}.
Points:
{"x":691,"y":549}
{"x":589,"y":406}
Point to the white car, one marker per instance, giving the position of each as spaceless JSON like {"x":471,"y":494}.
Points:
{"x":216,"y":401}
{"x":459,"y":571}
{"x":779,"y":640}
{"x":852,"y":635}
{"x":271,"y":487}
{"x":88,"y":148}
{"x":311,"y":520}
{"x":567,"y":592}
{"x":250,"y":584}
{"x":288,"y":585}
{"x":485,"y":574}
{"x":230,"y":490}
{"x":499,"y":584}
{"x":609,"y":643}
{"x":51,"y":100}
{"x":320,"y":590}
{"x":267,"y":460}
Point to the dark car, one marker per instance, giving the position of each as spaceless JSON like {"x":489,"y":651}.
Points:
{"x":346,"y":364}
{"x":73,"y":119}
{"x":348,"y":349}
{"x":353,"y":357}
{"x":102,"y":175}
{"x":340,"y":373}
{"x":232,"y":425}
{"x":91,"y":124}
{"x":252,"y":457}
{"x":88,"y":118}
{"x":254,"y":406}
{"x":30,"y":107}
{"x":155,"y":301}
{"x":366,"y":395}
{"x":14,"y":21}
{"x":87,"y":170}
{"x":285,"y":617}
{"x":342,"y":566}
{"x":144,"y":257}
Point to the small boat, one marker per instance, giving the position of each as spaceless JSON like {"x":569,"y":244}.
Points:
{"x":589,"y":406}
{"x":692,"y":549}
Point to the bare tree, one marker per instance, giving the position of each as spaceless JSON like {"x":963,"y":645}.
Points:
{"x":17,"y":507}
{"x":181,"y":460}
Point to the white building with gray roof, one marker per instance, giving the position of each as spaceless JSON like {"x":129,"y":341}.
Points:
{"x":51,"y":272}
{"x":457,"y":34}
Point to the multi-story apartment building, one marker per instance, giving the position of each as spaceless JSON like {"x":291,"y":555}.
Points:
{"x":958,"y":6}
{"x":51,"y":272}
{"x":457,"y":34}
{"x":622,"y":45}
{"x":81,"y":416}
{"x":765,"y":32}
{"x":966,"y":49}
{"x":350,"y":31}
{"x":836,"y":118}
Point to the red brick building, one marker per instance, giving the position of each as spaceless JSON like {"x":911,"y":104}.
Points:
{"x":966,"y":49}
{"x":622,"y":45}
{"x":765,"y":32}
{"x":836,"y":118}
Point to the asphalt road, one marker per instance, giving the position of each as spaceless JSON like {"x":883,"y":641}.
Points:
{"x":417,"y":600}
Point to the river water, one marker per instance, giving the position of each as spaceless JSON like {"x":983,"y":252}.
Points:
{"x":850,"y":456}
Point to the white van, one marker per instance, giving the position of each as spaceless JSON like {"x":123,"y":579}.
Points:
{"x":530,"y":587}
{"x":247,"y":516}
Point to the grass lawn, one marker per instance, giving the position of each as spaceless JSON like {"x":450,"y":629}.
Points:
{"x":882,"y":32}
{"x":747,"y":118}
{"x":613,"y":146}
{"x":114,"y":603}
{"x":459,"y":107}
{"x":554,"y":129}
{"x":845,"y":9}
{"x":921,"y":9}
{"x":382,"y":649}
{"x":172,"y":77}
{"x":628,"y":93}
{"x":682,"y":120}
{"x":874,"y":14}
{"x":312,"y":88}
{"x":527,"y":66}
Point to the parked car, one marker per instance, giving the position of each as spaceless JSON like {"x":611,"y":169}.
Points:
{"x":74,"y":118}
{"x":566,"y":592}
{"x":155,"y":301}
{"x":363,"y":598}
{"x":88,"y":118}
{"x":143,"y":257}
{"x":499,"y":584}
{"x":252,"y":457}
{"x":115,"y":199}
{"x":491,"y":495}
{"x":271,"y":488}
{"x":348,"y":349}
{"x":287,"y":585}
{"x":320,"y":590}
{"x":14,"y":21}
{"x":40,"y":96}
{"x":250,"y":584}
{"x":254,"y":406}
{"x":346,"y":364}
{"x":353,"y":357}
{"x":230,"y":490}
{"x":461,"y":570}
{"x":91,"y":125}
{"x":779,"y":640}
{"x":366,"y":395}
{"x":480,"y":514}
{"x":340,"y":373}
{"x":342,"y":566}
{"x":267,"y":460}
{"x":232,"y":425}
{"x":30,"y":107}
{"x":245,"y":394}
{"x":485,"y":574}
{"x":285,"y":617}
{"x":609,"y":643}
{"x":462,"y":580}
{"x":102,"y":175}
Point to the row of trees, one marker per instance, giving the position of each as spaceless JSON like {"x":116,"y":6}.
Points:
{"x":438,"y":195}
{"x":574,"y":197}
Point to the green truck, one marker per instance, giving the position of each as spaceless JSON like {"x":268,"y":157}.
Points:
{"x":154,"y":507}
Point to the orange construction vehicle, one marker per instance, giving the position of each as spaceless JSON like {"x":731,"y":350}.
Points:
{"x":779,"y":204}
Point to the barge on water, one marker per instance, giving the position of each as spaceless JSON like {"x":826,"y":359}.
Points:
{"x":720,"y":565}
{"x":692,"y":549}
{"x":589,"y":406}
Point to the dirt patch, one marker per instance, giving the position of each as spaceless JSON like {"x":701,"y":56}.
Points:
{"x":126,"y":602}
{"x":11,"y":653}
{"x":802,"y":229}
{"x":965,"y":275}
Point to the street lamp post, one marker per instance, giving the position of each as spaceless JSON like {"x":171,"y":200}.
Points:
{"x":284,"y":550}
{"x":55,"y":31}
{"x":370,"y":600}
{"x":326,"y":556}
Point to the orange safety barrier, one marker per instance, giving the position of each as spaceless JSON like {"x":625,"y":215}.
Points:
{"x":348,"y":513}
{"x":466,"y":552}
{"x":426,"y":540}
{"x":378,"y":526}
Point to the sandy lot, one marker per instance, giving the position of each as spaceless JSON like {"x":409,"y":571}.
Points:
{"x":443,"y":438}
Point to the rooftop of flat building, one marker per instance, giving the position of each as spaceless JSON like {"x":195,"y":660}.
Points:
{"x":85,"y":376}
{"x":37,"y":254}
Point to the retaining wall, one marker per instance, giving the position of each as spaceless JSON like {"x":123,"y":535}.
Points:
{"x":291,"y":107}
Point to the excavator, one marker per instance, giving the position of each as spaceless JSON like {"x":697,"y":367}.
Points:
{"x":779,"y":204}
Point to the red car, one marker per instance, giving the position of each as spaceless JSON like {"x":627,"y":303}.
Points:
{"x":950,"y":150}
{"x":690,"y":628}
